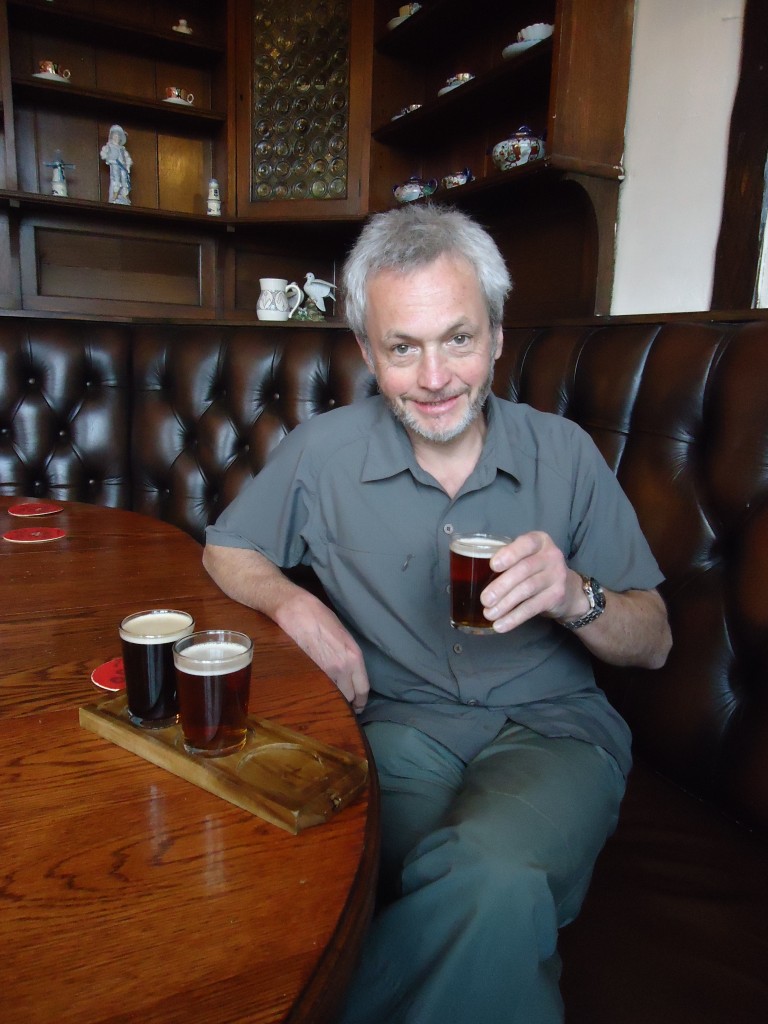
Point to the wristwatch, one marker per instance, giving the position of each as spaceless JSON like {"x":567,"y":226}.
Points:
{"x":596,"y":599}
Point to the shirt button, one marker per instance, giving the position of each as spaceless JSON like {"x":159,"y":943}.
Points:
{"x":472,"y":703}
{"x":448,"y":528}
{"x":458,"y":649}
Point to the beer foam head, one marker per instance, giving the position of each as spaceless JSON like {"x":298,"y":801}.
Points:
{"x":213,"y":657}
{"x":477,"y":545}
{"x":161,"y":626}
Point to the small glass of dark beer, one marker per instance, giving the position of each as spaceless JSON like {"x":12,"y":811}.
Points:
{"x":470,"y":575}
{"x":150,"y":681}
{"x":213,"y":675}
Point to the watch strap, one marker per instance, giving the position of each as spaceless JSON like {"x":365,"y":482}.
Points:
{"x":596,"y":598}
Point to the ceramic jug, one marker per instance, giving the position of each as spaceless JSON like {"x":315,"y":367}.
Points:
{"x":273,"y":303}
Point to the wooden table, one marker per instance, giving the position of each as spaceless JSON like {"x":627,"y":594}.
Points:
{"x":126,"y":893}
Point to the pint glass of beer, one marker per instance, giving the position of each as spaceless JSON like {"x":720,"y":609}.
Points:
{"x":150,"y":681}
{"x":213,"y":674}
{"x":470,"y":575}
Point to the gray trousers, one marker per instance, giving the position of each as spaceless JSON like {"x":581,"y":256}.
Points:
{"x":481,"y":864}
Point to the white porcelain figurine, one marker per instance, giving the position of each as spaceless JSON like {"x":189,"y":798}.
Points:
{"x":58,"y":178}
{"x":319,"y":291}
{"x":118,"y":159}
{"x":214,"y":198}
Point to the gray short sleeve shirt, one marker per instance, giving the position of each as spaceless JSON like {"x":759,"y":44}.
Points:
{"x":344,"y":494}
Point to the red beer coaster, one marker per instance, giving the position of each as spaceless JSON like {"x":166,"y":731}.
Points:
{"x":34,"y":508}
{"x":109,"y":676}
{"x":34,"y":535}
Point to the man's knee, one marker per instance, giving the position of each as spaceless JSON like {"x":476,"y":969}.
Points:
{"x":511,"y":893}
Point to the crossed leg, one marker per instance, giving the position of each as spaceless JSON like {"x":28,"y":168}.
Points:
{"x":481,"y":864}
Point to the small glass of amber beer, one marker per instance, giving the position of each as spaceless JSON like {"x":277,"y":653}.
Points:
{"x":470,"y":575}
{"x":150,"y":681}
{"x":213,"y":674}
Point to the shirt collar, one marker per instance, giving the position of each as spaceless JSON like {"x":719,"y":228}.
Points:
{"x":390,"y":451}
{"x":499,"y":451}
{"x":389,"y":447}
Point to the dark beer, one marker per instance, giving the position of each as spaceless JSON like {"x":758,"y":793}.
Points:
{"x":213,"y":673}
{"x":470,"y":575}
{"x":150,"y":680}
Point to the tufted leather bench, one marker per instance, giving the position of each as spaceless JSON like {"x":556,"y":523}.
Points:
{"x":171,"y":419}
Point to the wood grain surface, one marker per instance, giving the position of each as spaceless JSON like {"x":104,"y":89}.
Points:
{"x":127,"y":893}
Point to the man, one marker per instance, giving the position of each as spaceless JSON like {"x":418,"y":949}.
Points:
{"x":501,"y":764}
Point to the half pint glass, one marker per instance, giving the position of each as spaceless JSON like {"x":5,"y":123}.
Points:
{"x":150,"y":681}
{"x":470,"y":575}
{"x":213,"y":674}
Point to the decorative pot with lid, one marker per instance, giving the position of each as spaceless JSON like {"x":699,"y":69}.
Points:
{"x":520,"y":148}
{"x":414,"y":188}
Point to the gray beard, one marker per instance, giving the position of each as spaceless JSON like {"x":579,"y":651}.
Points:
{"x":444,"y":436}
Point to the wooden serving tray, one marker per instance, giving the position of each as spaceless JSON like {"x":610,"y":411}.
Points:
{"x":280,"y":775}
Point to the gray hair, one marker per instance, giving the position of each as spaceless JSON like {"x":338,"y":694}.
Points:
{"x":414,"y":236}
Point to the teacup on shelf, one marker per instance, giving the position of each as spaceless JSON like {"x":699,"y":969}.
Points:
{"x":454,"y":81}
{"x":50,"y":67}
{"x":175,"y":94}
{"x":406,"y":110}
{"x":534,"y":33}
{"x":403,"y":14}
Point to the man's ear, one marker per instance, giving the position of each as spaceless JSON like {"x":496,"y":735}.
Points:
{"x":366,"y":353}
{"x":499,"y":342}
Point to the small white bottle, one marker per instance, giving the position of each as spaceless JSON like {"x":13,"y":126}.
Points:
{"x":214,"y":198}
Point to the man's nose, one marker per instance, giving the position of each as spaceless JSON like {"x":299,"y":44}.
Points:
{"x":434,"y":372}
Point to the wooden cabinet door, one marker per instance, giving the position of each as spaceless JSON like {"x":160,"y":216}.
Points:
{"x":302,"y":109}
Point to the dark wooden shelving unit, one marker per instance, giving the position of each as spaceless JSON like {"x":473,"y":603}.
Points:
{"x":554,"y":219}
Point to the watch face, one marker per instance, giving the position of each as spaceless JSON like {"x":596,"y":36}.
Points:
{"x":598,"y":596}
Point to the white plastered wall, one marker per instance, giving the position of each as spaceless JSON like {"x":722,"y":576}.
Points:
{"x":685,"y":66}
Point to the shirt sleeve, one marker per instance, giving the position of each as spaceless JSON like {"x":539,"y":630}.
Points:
{"x":271,"y":512}
{"x":607,"y":541}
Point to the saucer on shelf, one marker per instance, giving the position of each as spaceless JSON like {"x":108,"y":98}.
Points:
{"x":178,"y":101}
{"x":49,"y":76}
{"x":514,"y":48}
{"x":455,"y":82}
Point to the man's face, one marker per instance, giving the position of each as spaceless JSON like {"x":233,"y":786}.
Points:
{"x":431,"y":347}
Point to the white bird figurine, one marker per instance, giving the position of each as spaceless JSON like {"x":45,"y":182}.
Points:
{"x":319,"y":290}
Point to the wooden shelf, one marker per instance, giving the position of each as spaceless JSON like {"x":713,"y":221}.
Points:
{"x":429,"y":27}
{"x":48,"y":203}
{"x":527,"y":73}
{"x":166,"y":114}
{"x":172,"y":46}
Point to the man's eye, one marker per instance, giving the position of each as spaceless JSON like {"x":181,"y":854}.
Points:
{"x":461,"y":339}
{"x":402,"y":349}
